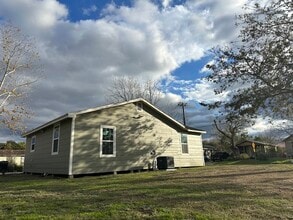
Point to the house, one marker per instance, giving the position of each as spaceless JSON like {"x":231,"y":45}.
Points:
{"x":289,"y":146}
{"x":253,"y":148}
{"x":117,"y":137}
{"x":14,"y":157}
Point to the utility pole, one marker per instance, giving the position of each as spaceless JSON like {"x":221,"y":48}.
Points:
{"x":182,"y":104}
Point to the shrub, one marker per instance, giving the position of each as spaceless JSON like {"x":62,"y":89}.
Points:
{"x":18,"y":168}
{"x":244,"y":156}
{"x":12,"y":167}
{"x":262,"y":156}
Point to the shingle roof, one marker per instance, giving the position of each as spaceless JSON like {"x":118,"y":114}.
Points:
{"x":287,"y":138}
{"x":12,"y":153}
{"x":256,"y":142}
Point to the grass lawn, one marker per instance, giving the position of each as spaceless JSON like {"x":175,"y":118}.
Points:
{"x":257,"y":162}
{"x":211,"y":192}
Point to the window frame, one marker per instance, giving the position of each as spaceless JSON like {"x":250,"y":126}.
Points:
{"x":53,"y":140}
{"x":184,"y":144}
{"x":32,"y":149}
{"x":109,"y":141}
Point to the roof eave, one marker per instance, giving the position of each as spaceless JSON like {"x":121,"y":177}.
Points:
{"x":287,"y":138}
{"x":196,"y":131}
{"x":128,"y":102}
{"x":56,"y":120}
{"x":71,"y":115}
{"x":106,"y":106}
{"x":170,"y":118}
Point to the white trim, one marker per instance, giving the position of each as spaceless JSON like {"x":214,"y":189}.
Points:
{"x":101,"y":141}
{"x":107,"y":106}
{"x":54,"y":121}
{"x":52,"y":152}
{"x":184,"y":143}
{"x":196,"y":131}
{"x":71,"y":146}
{"x":33,"y":137}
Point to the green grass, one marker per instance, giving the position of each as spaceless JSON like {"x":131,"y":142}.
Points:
{"x":211,"y":192}
{"x":256,"y":162}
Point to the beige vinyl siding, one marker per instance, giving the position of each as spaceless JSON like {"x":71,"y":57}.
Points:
{"x":138,"y":133}
{"x":195,"y":153}
{"x":41,"y":159}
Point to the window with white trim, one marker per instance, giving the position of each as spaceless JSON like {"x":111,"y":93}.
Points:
{"x":33,"y":143}
{"x":108,"y":141}
{"x":184,"y":143}
{"x":55,"y":140}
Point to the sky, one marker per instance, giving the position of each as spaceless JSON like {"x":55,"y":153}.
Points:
{"x":84,"y":44}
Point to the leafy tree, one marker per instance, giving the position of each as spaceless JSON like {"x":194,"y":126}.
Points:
{"x":256,"y":71}
{"x":21,"y":145}
{"x":285,"y":128}
{"x":12,"y":145}
{"x":18,"y":58}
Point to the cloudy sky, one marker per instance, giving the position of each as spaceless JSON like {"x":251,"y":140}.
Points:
{"x":84,"y":44}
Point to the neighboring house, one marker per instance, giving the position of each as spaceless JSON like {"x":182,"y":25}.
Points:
{"x":208,"y":151}
{"x":289,"y":146}
{"x":112,"y":138}
{"x":252,"y":148}
{"x":14,"y":157}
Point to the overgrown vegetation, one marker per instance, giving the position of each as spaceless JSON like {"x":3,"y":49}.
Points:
{"x":211,"y":192}
{"x":12,"y":145}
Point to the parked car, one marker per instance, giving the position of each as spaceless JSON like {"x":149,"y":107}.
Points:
{"x":219,"y":156}
{"x":3,"y":167}
{"x":207,"y":155}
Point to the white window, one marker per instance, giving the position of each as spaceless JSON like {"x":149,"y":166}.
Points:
{"x":108,"y":141}
{"x":184,"y":143}
{"x":33,"y":143}
{"x":55,"y":141}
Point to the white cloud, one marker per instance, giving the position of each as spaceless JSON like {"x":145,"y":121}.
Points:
{"x":203,"y":91}
{"x":171,"y":98}
{"x":143,"y":40}
{"x":205,"y":70}
{"x":268,"y":124}
{"x":166,"y":3}
{"x":90,"y":10}
{"x":33,"y":15}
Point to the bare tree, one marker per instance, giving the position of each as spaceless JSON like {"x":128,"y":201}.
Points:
{"x":128,"y":88}
{"x":18,"y":59}
{"x":151,"y":91}
{"x":231,"y":129}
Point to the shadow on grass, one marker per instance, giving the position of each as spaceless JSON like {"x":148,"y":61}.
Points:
{"x":254,"y":162}
{"x":185,"y":175}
